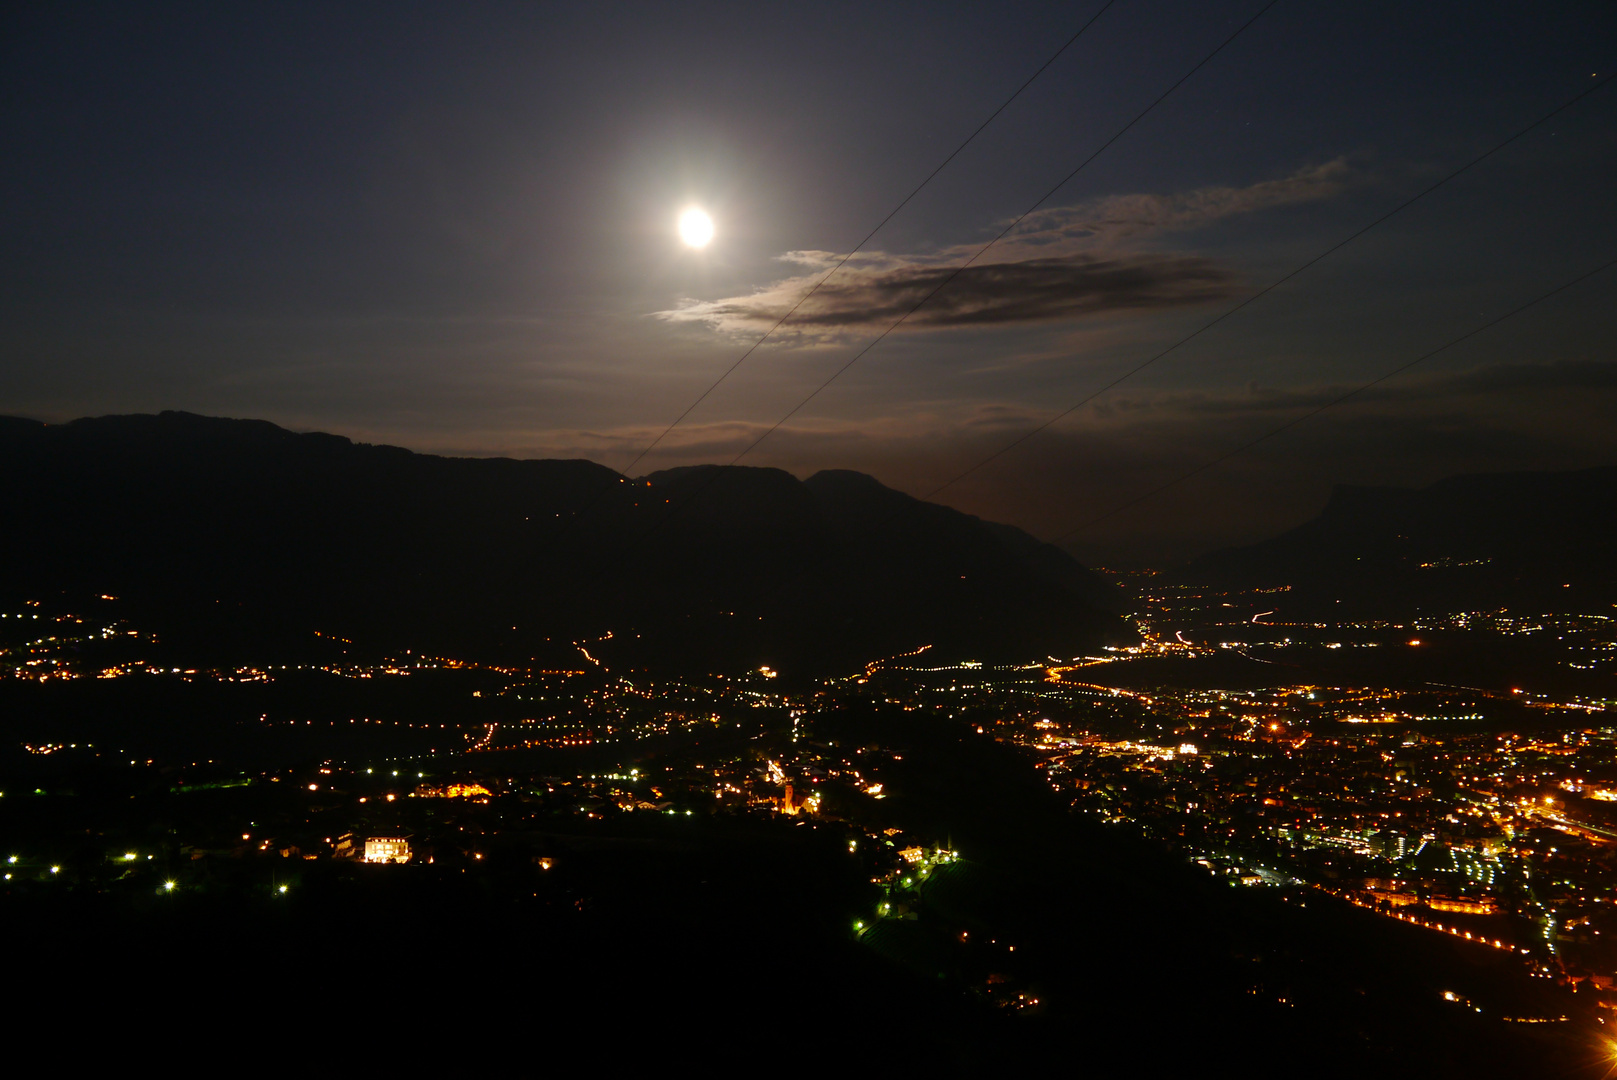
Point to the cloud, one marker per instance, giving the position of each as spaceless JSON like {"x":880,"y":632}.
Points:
{"x":1064,"y":263}
{"x":999,"y":293}
{"x":1498,"y":382}
{"x":1122,"y":217}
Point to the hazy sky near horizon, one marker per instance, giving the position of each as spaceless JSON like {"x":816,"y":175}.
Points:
{"x":451,"y":227}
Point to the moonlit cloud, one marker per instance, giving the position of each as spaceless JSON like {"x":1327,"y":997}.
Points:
{"x":1504,"y":382}
{"x":1064,"y":263}
{"x":1117,"y":218}
{"x":1029,"y":291}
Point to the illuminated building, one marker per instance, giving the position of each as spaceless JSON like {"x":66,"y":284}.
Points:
{"x":386,"y":849}
{"x":792,"y":805}
{"x":1465,"y":904}
{"x":452,"y":791}
{"x":1392,"y":897}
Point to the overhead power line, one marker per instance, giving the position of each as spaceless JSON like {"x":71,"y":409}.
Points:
{"x":869,"y":236}
{"x":954,"y":273}
{"x":1309,"y":415}
{"x":1339,"y":245}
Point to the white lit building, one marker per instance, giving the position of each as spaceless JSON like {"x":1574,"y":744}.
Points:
{"x":386,"y":849}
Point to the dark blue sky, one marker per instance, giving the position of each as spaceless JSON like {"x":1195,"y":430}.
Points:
{"x":450,"y":227}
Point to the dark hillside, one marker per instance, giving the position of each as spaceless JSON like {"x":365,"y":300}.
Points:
{"x":232,"y":534}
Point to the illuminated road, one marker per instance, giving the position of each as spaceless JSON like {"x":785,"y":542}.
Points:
{"x":1430,"y":924}
{"x":1565,"y":822}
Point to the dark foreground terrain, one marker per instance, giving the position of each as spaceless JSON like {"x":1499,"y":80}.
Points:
{"x":575,"y":932}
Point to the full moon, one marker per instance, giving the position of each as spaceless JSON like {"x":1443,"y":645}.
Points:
{"x":695,"y":227}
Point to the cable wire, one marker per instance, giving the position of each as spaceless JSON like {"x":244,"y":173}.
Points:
{"x":1063,"y":414}
{"x":868,"y":236}
{"x":1002,"y":234}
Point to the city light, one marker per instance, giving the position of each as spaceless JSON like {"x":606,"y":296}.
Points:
{"x":1418,"y":809}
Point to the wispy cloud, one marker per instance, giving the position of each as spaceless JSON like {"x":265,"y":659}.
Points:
{"x":1118,"y":218}
{"x":1424,"y":390}
{"x":1064,"y":263}
{"x":1029,"y":291}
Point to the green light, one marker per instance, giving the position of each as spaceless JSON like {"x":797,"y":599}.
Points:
{"x":169,"y":886}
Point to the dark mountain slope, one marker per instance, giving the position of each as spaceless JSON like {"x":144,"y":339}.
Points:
{"x":861,"y":505}
{"x":1469,"y":542}
{"x":239,"y":534}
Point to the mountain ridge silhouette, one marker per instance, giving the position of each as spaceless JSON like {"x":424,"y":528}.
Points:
{"x":218,"y":527}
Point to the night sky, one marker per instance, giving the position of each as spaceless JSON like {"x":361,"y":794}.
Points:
{"x":451,"y":228}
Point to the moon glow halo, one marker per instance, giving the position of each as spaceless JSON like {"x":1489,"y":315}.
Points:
{"x":695,"y":227}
